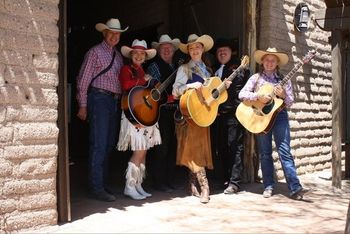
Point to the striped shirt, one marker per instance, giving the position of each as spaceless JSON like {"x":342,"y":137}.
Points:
{"x":257,"y":80}
{"x":96,"y":60}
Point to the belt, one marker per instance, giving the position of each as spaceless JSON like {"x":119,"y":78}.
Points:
{"x":110,"y":93}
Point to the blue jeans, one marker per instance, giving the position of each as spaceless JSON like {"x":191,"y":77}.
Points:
{"x":281,"y":133}
{"x":103,"y":112}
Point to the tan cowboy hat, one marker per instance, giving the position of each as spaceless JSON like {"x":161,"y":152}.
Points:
{"x":165,"y":39}
{"x":259,"y":54}
{"x":138,"y":45}
{"x":205,"y":40}
{"x":112,"y":24}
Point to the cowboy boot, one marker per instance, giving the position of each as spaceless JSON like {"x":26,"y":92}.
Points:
{"x":203,"y":182}
{"x":141,"y":176}
{"x":130,"y":184}
{"x":192,"y":184}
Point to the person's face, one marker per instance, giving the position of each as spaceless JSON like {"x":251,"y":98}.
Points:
{"x":112,"y":38}
{"x":270,"y":62}
{"x":166,"y":52}
{"x":195,"y":50}
{"x":223,"y":54}
{"x":138,"y":57}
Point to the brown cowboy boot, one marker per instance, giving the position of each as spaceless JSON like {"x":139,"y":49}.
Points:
{"x":203,"y":182}
{"x":192,"y":184}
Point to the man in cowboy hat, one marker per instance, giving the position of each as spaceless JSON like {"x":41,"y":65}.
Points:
{"x":98,"y":94}
{"x":164,"y":156}
{"x":270,"y":60}
{"x":227,"y":132}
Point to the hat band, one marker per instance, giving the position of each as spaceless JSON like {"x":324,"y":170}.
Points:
{"x":115,"y":28}
{"x":138,"y":47}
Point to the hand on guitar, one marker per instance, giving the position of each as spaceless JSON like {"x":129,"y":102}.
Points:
{"x":195,"y":85}
{"x":227,"y":83}
{"x":264,"y":98}
{"x":279,"y":91}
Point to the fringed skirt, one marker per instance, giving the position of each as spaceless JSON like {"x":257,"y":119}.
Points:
{"x":137,"y":138}
{"x":193,"y":147}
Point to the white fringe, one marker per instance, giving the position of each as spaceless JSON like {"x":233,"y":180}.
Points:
{"x":133,"y":138}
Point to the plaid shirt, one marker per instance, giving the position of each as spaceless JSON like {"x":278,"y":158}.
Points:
{"x":257,"y":80}
{"x":96,"y":60}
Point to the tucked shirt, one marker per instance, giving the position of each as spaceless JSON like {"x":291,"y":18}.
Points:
{"x":97,"y":59}
{"x":257,"y":80}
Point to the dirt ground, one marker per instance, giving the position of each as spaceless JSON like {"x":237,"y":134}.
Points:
{"x":323,"y":210}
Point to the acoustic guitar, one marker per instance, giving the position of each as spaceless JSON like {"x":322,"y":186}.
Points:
{"x":142,"y":104}
{"x":200,"y":106}
{"x":258,"y":117}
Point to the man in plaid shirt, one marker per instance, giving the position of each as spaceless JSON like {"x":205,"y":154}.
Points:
{"x":98,"y":95}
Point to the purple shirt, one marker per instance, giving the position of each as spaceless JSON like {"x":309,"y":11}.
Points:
{"x":257,"y":80}
{"x":96,"y":60}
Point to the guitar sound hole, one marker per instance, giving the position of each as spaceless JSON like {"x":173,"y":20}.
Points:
{"x":267,"y":109}
{"x":215,"y":93}
{"x":155,"y":95}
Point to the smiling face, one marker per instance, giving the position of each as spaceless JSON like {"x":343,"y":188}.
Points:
{"x":270,"y":63}
{"x":195,"y":50}
{"x":138,"y":56}
{"x":166,"y":52}
{"x":223,"y":54}
{"x":112,"y":38}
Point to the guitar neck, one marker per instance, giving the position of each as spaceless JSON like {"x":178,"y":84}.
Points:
{"x":222,"y":87}
{"x":290,"y":74}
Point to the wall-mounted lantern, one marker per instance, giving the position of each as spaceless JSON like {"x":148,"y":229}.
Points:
{"x":301,"y":17}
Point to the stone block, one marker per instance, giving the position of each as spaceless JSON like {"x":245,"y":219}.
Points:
{"x":22,"y":152}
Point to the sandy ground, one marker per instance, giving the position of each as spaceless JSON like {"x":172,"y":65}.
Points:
{"x":323,"y":210}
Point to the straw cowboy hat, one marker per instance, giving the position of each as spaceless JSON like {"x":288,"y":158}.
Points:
{"x":138,"y":45}
{"x":205,"y":40}
{"x":259,"y":54}
{"x":164,"y":39}
{"x":112,"y":24}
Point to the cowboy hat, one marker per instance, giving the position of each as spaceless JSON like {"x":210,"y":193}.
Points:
{"x":205,"y":40}
{"x":164,"y":39}
{"x":138,"y":45}
{"x":259,"y":54}
{"x":112,"y":24}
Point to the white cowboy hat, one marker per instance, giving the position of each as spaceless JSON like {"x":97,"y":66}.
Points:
{"x":164,"y":39}
{"x":138,"y":45}
{"x":205,"y":40}
{"x":112,"y":24}
{"x":259,"y":54}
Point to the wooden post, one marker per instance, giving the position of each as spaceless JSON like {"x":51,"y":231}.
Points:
{"x":336,"y":40}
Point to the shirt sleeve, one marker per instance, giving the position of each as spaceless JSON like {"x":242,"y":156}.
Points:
{"x":127,"y":82}
{"x":179,"y":86}
{"x":289,"y":100}
{"x":86,"y":73}
{"x":248,"y":91}
{"x":153,"y":70}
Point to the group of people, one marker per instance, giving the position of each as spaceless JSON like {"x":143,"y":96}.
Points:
{"x":104,"y":81}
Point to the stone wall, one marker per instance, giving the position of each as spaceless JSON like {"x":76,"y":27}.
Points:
{"x":311,"y":114}
{"x":28,"y":113}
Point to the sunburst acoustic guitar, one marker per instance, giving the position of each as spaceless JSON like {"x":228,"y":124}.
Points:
{"x":258,"y":117}
{"x":200,"y":106}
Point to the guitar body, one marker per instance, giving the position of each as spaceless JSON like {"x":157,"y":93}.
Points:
{"x":141,"y":106}
{"x":258,"y":117}
{"x":200,"y":106}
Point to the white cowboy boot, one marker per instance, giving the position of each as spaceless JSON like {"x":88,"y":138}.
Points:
{"x":131,"y":178}
{"x":141,"y":176}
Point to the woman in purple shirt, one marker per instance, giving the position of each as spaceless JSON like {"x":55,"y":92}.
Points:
{"x":270,"y":60}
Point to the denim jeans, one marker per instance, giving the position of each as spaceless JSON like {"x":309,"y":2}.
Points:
{"x":281,"y":134}
{"x":103,"y":112}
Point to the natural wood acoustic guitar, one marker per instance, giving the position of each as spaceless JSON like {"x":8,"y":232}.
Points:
{"x":258,"y":117}
{"x":200,"y":106}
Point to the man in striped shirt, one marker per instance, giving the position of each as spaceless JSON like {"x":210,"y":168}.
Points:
{"x":98,"y":95}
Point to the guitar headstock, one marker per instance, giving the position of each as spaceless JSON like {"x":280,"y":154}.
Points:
{"x":245,"y":61}
{"x":310,"y":55}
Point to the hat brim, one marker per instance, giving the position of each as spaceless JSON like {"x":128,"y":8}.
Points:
{"x":150,"y":53}
{"x":259,"y":54}
{"x":174,"y":42}
{"x":101,"y":27}
{"x":205,"y":40}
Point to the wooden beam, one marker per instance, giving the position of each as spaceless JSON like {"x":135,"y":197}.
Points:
{"x":333,"y":18}
{"x":336,"y":40}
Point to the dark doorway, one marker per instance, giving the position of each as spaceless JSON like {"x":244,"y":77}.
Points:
{"x":147,"y":19}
